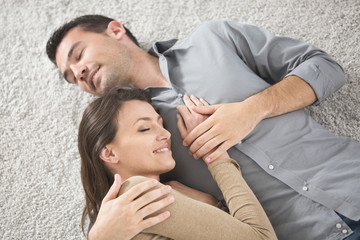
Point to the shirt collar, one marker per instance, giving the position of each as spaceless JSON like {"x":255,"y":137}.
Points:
{"x":160,"y":48}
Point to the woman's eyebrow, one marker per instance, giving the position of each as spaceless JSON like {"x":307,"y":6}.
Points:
{"x":147,"y":119}
{"x":142,"y":119}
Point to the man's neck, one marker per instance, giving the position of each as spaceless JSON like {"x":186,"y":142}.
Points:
{"x":147,"y":73}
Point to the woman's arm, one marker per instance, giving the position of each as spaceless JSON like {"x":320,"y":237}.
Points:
{"x":242,"y":203}
{"x":193,"y":193}
{"x":191,"y":219}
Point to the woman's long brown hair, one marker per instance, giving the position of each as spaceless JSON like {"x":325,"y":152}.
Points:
{"x":98,"y":128}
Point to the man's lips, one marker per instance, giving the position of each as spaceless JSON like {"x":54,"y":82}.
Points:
{"x":91,"y":78}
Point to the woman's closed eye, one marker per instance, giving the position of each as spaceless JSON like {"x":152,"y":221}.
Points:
{"x":144,"y":129}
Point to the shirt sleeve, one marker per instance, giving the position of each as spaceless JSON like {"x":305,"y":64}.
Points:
{"x":273,"y":58}
{"x":191,"y":219}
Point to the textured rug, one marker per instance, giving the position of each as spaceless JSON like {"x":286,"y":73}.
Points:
{"x":40,"y":193}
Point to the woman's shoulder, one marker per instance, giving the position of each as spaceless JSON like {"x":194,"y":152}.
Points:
{"x":132,"y":181}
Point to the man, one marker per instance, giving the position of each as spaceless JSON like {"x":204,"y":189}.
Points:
{"x":304,"y":176}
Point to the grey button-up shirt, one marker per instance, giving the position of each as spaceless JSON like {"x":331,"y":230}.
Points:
{"x":300,"y":172}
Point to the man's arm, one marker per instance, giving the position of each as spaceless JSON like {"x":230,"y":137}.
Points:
{"x":291,"y":94}
{"x":222,"y":127}
{"x":301,"y":75}
{"x":274,"y":58}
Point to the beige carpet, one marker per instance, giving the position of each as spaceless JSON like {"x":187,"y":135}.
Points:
{"x":40,"y":192}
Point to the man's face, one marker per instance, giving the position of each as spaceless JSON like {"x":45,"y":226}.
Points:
{"x":94,"y":61}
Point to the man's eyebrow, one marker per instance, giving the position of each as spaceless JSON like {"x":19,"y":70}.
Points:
{"x":72,"y":48}
{"x":71,"y":51}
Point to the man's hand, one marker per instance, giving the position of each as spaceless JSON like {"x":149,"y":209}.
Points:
{"x":123,"y":217}
{"x":228,"y":125}
{"x":189,"y":119}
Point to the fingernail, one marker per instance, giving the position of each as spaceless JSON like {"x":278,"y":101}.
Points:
{"x":208,"y":160}
{"x":171,"y":199}
{"x":185,"y":144}
{"x":168,"y":188}
{"x":155,"y":181}
{"x":166,"y":214}
{"x":194,"y":156}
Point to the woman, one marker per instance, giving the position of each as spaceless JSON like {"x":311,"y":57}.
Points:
{"x":121,"y":134}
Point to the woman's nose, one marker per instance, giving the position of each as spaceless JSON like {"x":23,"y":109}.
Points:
{"x":163,"y":134}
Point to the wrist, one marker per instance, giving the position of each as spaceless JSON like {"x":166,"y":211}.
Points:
{"x":93,"y":235}
{"x":260,"y":106}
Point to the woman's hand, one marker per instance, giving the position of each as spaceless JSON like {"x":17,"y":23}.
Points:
{"x":193,"y":193}
{"x":123,"y":217}
{"x":189,"y":119}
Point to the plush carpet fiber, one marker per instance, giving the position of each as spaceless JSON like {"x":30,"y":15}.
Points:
{"x":40,"y":193}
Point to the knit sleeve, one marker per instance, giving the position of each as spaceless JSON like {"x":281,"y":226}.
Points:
{"x":191,"y":219}
{"x":243,"y":204}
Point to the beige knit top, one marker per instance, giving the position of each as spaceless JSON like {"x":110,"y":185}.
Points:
{"x":191,"y":219}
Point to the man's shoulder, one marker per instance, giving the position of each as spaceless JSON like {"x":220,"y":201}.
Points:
{"x":210,"y":27}
{"x":220,"y":26}
{"x":213,"y":25}
{"x":212,"y":30}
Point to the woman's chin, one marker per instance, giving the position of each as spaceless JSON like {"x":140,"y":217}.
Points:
{"x":170,"y":166}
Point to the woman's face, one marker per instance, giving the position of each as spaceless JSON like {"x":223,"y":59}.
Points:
{"x":141,"y":145}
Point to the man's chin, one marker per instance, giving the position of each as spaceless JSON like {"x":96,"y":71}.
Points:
{"x":102,"y":89}
{"x":112,"y":87}
{"x":100,"y":92}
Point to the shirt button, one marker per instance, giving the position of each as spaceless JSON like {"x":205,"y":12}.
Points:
{"x":305,"y":188}
{"x":271,"y":167}
{"x":344,"y":231}
{"x":338,"y":225}
{"x":180,"y":95}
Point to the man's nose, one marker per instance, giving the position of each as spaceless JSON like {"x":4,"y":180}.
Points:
{"x":81,"y":72}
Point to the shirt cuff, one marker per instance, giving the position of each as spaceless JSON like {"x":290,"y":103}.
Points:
{"x":324,"y":76}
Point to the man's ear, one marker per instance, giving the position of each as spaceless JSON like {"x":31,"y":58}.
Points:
{"x":107,"y":155}
{"x":116,"y":29}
